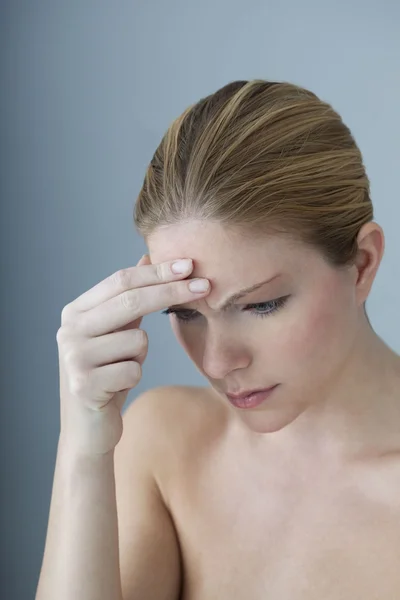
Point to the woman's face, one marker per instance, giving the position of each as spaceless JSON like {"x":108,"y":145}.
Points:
{"x":298,"y":336}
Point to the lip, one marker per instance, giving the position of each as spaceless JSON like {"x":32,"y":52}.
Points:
{"x":247,"y":393}
{"x":251,"y":398}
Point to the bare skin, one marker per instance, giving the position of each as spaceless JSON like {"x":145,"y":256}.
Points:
{"x":299,"y":498}
{"x":269,"y":523}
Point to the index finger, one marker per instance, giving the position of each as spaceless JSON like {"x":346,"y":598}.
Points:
{"x":127,"y":279}
{"x":131,"y":306}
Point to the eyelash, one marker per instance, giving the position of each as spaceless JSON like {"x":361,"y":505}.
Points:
{"x":276,"y":304}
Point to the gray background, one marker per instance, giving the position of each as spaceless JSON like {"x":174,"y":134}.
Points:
{"x":88,"y":89}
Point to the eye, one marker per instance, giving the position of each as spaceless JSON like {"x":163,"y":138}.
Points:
{"x":260,"y":309}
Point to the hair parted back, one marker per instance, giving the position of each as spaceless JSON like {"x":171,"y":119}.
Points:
{"x":262,"y":157}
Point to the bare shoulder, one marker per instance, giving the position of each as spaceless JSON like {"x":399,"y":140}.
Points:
{"x":173,"y":422}
{"x":170,"y":410}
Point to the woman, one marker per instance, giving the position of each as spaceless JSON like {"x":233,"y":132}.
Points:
{"x":212,"y":493}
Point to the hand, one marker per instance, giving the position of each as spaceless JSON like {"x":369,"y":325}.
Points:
{"x":101,"y":349}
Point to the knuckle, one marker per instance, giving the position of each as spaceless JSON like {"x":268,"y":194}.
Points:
{"x":78,"y":382}
{"x":130,"y":300}
{"x":71,"y":355}
{"x":67,"y":314}
{"x":70,"y":319}
{"x":64,"y":336}
{"x":161,"y":271}
{"x":121,"y":280}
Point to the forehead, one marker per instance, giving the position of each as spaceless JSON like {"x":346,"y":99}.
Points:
{"x":232,"y":260}
{"x":214,"y":245}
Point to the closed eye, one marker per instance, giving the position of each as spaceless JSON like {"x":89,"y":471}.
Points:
{"x":259,"y":309}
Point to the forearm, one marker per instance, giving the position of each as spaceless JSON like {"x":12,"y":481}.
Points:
{"x":81,"y":557}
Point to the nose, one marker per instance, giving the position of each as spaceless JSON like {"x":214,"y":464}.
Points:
{"x":222,"y":354}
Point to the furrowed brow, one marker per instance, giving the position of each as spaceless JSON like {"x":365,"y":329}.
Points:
{"x":236,"y":296}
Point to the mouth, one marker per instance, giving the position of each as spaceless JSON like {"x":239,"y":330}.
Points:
{"x":251,"y":398}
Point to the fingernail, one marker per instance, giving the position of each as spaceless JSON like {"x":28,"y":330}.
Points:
{"x":181,"y":266}
{"x":199,"y":285}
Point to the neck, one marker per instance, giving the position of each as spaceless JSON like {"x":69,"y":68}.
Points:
{"x":359,"y":416}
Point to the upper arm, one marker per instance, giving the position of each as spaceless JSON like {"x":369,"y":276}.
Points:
{"x":149,"y":548}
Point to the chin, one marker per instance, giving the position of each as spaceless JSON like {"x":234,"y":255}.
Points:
{"x":269,"y":419}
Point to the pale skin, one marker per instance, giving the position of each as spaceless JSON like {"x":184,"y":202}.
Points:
{"x":101,"y":350}
{"x":295,"y":499}
{"x":319,"y":346}
{"x":299,"y":498}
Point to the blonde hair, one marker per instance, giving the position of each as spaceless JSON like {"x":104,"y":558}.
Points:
{"x":261,"y":156}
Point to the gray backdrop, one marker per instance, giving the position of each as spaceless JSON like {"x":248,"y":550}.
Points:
{"x":88,"y":89}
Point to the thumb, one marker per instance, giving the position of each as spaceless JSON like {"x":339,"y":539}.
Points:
{"x":145,"y":260}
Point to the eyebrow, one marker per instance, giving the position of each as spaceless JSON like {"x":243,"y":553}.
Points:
{"x":239,"y":294}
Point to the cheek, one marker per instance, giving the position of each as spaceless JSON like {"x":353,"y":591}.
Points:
{"x":315,"y":333}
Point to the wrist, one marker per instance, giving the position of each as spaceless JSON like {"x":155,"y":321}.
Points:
{"x":68,"y":447}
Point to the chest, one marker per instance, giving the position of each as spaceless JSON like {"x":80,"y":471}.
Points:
{"x":247,"y":533}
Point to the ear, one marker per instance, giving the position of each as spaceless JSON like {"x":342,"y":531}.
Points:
{"x":371,"y":244}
